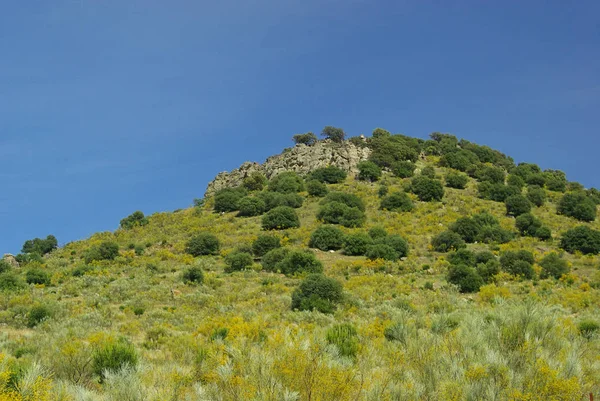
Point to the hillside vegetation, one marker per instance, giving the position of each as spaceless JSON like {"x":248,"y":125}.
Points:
{"x":441,"y":271}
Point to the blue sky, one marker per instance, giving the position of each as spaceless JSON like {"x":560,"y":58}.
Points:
{"x":107,"y":107}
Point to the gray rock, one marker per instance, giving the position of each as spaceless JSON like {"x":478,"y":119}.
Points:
{"x":11,"y":260}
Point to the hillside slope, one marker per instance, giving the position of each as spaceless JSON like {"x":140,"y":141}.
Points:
{"x":400,"y":332}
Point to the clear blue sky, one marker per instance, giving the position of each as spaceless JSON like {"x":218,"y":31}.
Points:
{"x":111,"y":106}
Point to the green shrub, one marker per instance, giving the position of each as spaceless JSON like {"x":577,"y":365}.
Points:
{"x":456,"y":180}
{"x":543,"y":233}
{"x":107,"y":250}
{"x":428,"y":172}
{"x":536,"y":195}
{"x":484,"y":257}
{"x":357,"y":244}
{"x":340,"y":213}
{"x":264,"y":244}
{"x":80,"y":271}
{"x":465,"y":277}
{"x":382,"y":191}
{"x":494,"y":234}
{"x":588,"y":328}
{"x":9,"y":281}
{"x":525,"y":170}
{"x":396,"y":332}
{"x":462,"y":257}
{"x":556,"y":180}
{"x":467,"y":228}
{"x":135,"y":219}
{"x":219,"y":334}
{"x":193,"y":275}
{"x":333,"y":133}
{"x":280,"y":218}
{"x":536,"y":179}
{"x":251,"y":206}
{"x":327,"y":238}
{"x":517,"y":205}
{"x":226,"y":200}
{"x":368,"y":171}
{"x":274,"y":199}
{"x":487,"y":270}
{"x":427,"y":189}
{"x":387,"y":150}
{"x":447,"y":241}
{"x":255,"y":182}
{"x":515,"y":181}
{"x":203,"y":244}
{"x":4,"y":266}
{"x":582,"y":239}
{"x":377,"y":232}
{"x":272,"y":259}
{"x":300,"y":262}
{"x":308,"y":139}
{"x":113,"y":357}
{"x":37,"y":276}
{"x":237,"y":261}
{"x":40,"y":246}
{"x":403,"y":169}
{"x":519,"y":263}
{"x":459,"y":160}
{"x":577,"y":205}
{"x":381,"y":251}
{"x":286,"y":182}
{"x":397,"y":243}
{"x":316,"y":188}
{"x":496,"y":192}
{"x":345,"y":338}
{"x":398,"y":202}
{"x":349,"y":200}
{"x":491,"y":174}
{"x":528,"y":224}
{"x":329,"y":175}
{"x":37,"y":314}
{"x":553,"y":266}
{"x":317,"y":292}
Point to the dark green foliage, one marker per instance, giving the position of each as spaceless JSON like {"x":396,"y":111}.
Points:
{"x":327,"y":238}
{"x":255,"y":182}
{"x":594,"y":195}
{"x":528,"y":224}
{"x":203,"y":244}
{"x":226,"y":200}
{"x":381,"y":251}
{"x":193,"y":275}
{"x":487,"y":155}
{"x":456,"y":180}
{"x":397,"y":243}
{"x":308,"y":139}
{"x":317,"y":292}
{"x":334,"y":134}
{"x":357,"y":244}
{"x":387,"y":150}
{"x":485,"y":219}
{"x":427,"y":189}
{"x":280,"y":218}
{"x":536,"y":195}
{"x":525,"y":170}
{"x":573,"y":186}
{"x":447,"y":241}
{"x":482,"y":227}
{"x":9,"y":281}
{"x":467,"y":228}
{"x":462,"y":257}
{"x":492,"y":174}
{"x":368,"y":171}
{"x":556,"y":180}
{"x":515,"y":181}
{"x":382,"y":191}
{"x":251,"y":206}
{"x":487,"y":270}
{"x":113,"y":357}
{"x":459,"y":160}
{"x":136,"y":219}
{"x":496,"y":192}
{"x":329,"y":175}
{"x":517,"y":205}
{"x":40,"y":246}
{"x":350,"y":200}
{"x":237,"y":261}
{"x":403,"y":169}
{"x":4,"y":266}
{"x":300,"y":262}
{"x":398,"y":202}
{"x":484,"y":257}
{"x":107,"y":250}
{"x":274,"y":199}
{"x":553,"y":266}
{"x":588,"y":328}
{"x":316,"y":188}
{"x":264,"y":244}
{"x":543,"y":233}
{"x":428,"y":172}
{"x":37,"y":315}
{"x":582,"y":239}
{"x":37,"y":276}
{"x":271,"y":260}
{"x":519,"y":263}
{"x":396,"y":332}
{"x":465,"y":277}
{"x":377,"y":232}
{"x":340,"y":213}
{"x":358,"y":141}
{"x":537,"y":179}
{"x":577,"y":205}
{"x":286,"y":182}
{"x":345,"y":338}
{"x":494,"y":234}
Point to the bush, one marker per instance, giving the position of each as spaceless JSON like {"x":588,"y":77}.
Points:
{"x":456,"y":180}
{"x":113,"y":357}
{"x":368,"y":171}
{"x":251,"y":206}
{"x":349,"y":200}
{"x":255,"y":182}
{"x":525,"y":170}
{"x":237,"y":261}
{"x":517,"y":205}
{"x":397,"y":243}
{"x":588,"y":328}
{"x":519,"y":263}
{"x":316,"y":188}
{"x":447,"y":241}
{"x":286,"y":182}
{"x":4,"y":266}
{"x":467,"y":228}
{"x":329,"y":175}
{"x":377,"y":232}
{"x":462,"y":257}
{"x":381,"y":251}
{"x":107,"y":250}
{"x":274,"y":199}
{"x":308,"y":139}
{"x":427,"y":189}
{"x":536,"y":179}
{"x":340,"y":213}
{"x":272,"y":259}
{"x":280,"y":218}
{"x":577,"y":205}
{"x":203,"y":244}
{"x":9,"y":281}
{"x":487,"y":270}
{"x":397,"y":201}
{"x":528,"y":224}
{"x":382,"y":191}
{"x":37,"y":276}
{"x":226,"y":200}
{"x":536,"y":195}
{"x":428,"y":172}
{"x":317,"y":292}
{"x":300,"y":262}
{"x":543,"y":233}
{"x":491,"y":174}
{"x":465,"y":277}
{"x":193,"y":275}
{"x":345,"y":338}
{"x":556,"y":180}
{"x":582,"y":239}
{"x":334,"y":134}
{"x":264,"y":244}
{"x":327,"y":238}
{"x":40,"y":246}
{"x":553,"y":266}
{"x":37,"y":315}
{"x":135,"y":219}
{"x":515,"y":181}
{"x":403,"y":169}
{"x":357,"y":244}
{"x":459,"y":160}
{"x":387,"y":150}
{"x":494,"y":234}
{"x":496,"y":192}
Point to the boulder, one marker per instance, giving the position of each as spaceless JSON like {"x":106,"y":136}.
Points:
{"x":11,"y":260}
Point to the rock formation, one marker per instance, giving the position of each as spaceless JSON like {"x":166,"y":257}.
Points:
{"x":11,"y":260}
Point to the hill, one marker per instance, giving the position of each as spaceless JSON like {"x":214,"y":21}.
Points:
{"x":380,"y":268}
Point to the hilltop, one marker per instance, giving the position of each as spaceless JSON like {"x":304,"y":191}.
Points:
{"x":379,"y":268}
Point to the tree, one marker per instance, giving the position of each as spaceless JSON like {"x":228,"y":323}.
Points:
{"x":264,"y":244}
{"x":536,"y":195}
{"x":272,"y":259}
{"x":40,"y":246}
{"x":329,"y":175}
{"x":135,"y":219}
{"x":226,"y":200}
{"x":107,"y":250}
{"x":528,"y":224}
{"x":357,"y":244}
{"x":37,"y":276}
{"x":368,"y":171}
{"x":467,"y":228}
{"x":316,"y":188}
{"x":403,"y":169}
{"x":577,"y":205}
{"x":519,"y":263}
{"x":193,"y":275}
{"x":251,"y":206}
{"x":427,"y":189}
{"x":377,"y":232}
{"x":327,"y":237}
{"x":517,"y":205}
{"x":515,"y":181}
{"x":350,"y":200}
{"x":334,"y":134}
{"x":397,"y":243}
{"x":255,"y":182}
{"x":308,"y":139}
{"x":553,"y":266}
{"x":459,"y":160}
{"x":296,"y":262}
{"x":203,"y":244}
{"x":381,"y":251}
{"x":397,"y":202}
{"x":456,"y":180}
{"x":317,"y":292}
{"x":492,"y":174}
{"x":582,"y":239}
{"x":556,"y":180}
{"x":465,"y":277}
{"x":237,"y":261}
{"x":462,"y":256}
{"x":428,"y":172}
{"x":286,"y":182}
{"x":496,"y":192}
{"x":447,"y":241}
{"x":280,"y":218}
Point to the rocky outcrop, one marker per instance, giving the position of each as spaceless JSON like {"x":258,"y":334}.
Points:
{"x":11,"y":260}
{"x":301,"y":159}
